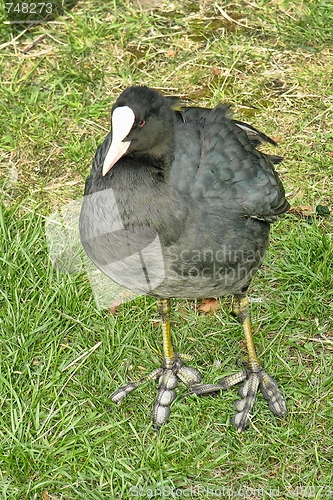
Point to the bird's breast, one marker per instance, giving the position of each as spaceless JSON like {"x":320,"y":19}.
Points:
{"x":167,"y":249}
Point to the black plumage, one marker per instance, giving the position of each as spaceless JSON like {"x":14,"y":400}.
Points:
{"x":178,"y":205}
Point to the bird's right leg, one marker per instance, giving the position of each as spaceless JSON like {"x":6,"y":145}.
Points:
{"x":168,"y":375}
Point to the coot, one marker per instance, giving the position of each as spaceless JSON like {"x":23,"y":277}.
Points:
{"x":178,"y":204}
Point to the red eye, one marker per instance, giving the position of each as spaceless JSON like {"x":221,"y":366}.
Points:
{"x":141,"y":124}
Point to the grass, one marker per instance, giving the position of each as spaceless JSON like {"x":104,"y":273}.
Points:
{"x":61,"y":356}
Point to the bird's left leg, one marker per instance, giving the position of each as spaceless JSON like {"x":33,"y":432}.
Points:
{"x":254,"y":375}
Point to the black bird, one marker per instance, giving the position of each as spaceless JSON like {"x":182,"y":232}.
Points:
{"x":178,"y":205}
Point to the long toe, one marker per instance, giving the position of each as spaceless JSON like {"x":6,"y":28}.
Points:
{"x":168,"y":381}
{"x":227,"y":382}
{"x":121,"y":393}
{"x":248,"y":393}
{"x":205,"y":389}
{"x":166,"y":394}
{"x":188,"y":375}
{"x":168,"y":378}
{"x":273,"y":394}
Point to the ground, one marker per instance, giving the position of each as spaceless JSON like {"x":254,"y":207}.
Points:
{"x":62,"y":356}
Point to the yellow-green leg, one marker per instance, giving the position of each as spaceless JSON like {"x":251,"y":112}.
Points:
{"x":163,"y":307}
{"x":168,"y":375}
{"x":173,"y":370}
{"x":240,"y":307}
{"x":253,"y":373}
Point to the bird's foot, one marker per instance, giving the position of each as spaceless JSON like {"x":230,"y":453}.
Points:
{"x":248,"y":392}
{"x":168,"y":377}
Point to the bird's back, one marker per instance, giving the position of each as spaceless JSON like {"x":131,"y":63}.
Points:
{"x":216,"y":162}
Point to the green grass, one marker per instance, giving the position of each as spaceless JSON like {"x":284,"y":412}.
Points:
{"x":61,"y":357}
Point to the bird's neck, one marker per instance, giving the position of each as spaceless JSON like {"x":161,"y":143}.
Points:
{"x":149,"y":171}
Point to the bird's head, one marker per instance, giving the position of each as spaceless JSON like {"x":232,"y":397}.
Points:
{"x":142,"y":124}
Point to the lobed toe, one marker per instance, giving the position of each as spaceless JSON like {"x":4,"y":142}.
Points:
{"x":189,"y":375}
{"x":273,"y":394}
{"x":122,"y":392}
